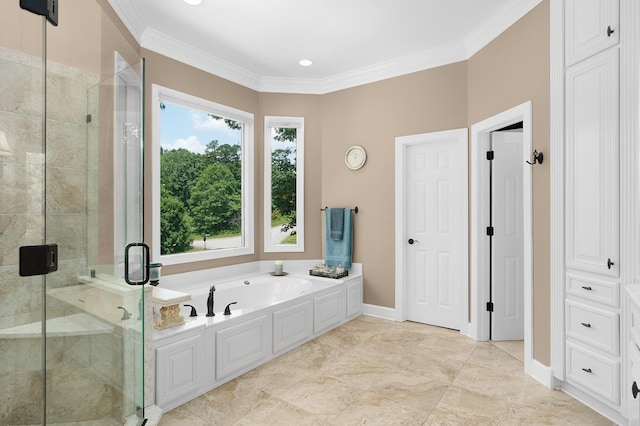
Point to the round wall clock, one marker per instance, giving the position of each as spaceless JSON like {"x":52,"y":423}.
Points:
{"x":355,"y":157}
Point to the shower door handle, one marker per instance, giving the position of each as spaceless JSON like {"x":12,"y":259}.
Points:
{"x":145,"y":259}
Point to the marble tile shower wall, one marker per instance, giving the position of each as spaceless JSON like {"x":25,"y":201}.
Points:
{"x":79,"y":365}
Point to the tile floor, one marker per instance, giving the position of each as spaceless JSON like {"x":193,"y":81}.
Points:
{"x":378,"y":372}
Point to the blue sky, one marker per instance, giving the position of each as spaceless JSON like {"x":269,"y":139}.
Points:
{"x":190,"y":129}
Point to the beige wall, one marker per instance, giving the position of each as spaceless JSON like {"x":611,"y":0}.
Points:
{"x":510,"y":70}
{"x":373,"y":115}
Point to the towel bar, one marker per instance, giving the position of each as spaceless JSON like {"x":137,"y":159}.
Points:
{"x":355,"y":210}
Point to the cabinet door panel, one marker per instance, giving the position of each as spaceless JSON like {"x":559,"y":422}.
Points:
{"x":592,"y":143}
{"x":591,"y":27}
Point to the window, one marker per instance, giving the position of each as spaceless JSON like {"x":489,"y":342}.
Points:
{"x":202,"y":179}
{"x":284,"y":184}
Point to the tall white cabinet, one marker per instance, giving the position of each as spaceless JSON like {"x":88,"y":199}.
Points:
{"x":594,"y":198}
{"x":592,"y":231}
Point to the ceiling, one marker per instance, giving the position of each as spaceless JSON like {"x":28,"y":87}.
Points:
{"x":258,"y":43}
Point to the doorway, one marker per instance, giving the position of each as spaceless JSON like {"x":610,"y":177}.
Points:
{"x":483,"y":255}
{"x":432,"y":228}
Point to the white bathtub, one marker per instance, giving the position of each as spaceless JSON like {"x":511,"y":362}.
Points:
{"x":262,"y":290}
{"x":272,"y":316}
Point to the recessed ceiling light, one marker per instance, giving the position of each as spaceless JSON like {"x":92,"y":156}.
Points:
{"x":193,"y":2}
{"x":305,"y":62}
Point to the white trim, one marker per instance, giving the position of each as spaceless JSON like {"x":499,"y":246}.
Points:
{"x":402,"y":143}
{"x":157,"y":94}
{"x":480,"y":138}
{"x":543,"y":374}
{"x":157,"y":41}
{"x":380,"y":312}
{"x":497,"y":23}
{"x":287,"y":122}
{"x":556,"y":123}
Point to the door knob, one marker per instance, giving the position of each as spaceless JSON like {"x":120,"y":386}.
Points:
{"x":411,"y":241}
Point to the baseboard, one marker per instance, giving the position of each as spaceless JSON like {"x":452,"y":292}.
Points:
{"x":543,"y":374}
{"x":379,"y":312}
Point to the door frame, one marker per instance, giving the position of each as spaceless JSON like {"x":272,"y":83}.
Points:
{"x":402,"y":143}
{"x":479,"y":291}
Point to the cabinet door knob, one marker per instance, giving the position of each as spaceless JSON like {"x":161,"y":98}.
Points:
{"x":586,"y":324}
{"x":609,"y":31}
{"x":635,"y":390}
{"x":587,"y":370}
{"x":609,"y":263}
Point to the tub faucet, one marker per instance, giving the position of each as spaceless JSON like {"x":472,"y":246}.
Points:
{"x":227,"y":310}
{"x":210,"y":312}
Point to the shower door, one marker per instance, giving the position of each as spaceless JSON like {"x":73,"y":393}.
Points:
{"x":71,"y":331}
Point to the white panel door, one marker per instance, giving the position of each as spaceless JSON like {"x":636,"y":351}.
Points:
{"x":592,"y":169}
{"x":436,"y":218}
{"x":507,"y":256}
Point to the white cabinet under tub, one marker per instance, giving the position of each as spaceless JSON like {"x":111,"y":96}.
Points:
{"x":243,"y":346}
{"x":179,"y":366}
{"x":194,"y":362}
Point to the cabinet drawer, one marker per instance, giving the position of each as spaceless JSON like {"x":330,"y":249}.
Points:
{"x":597,"y":374}
{"x":596,"y":290}
{"x":597,"y":327}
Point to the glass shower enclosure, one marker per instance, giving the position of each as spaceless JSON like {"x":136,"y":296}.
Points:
{"x":72,"y":337}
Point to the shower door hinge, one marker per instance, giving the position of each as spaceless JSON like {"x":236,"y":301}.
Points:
{"x":46,"y":8}
{"x":489,"y":306}
{"x":490,"y":155}
{"x":38,"y":260}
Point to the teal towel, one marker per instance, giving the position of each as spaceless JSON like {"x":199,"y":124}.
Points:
{"x":338,"y":252}
{"x":337,"y":223}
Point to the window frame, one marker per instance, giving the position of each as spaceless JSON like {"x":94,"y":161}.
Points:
{"x":160,"y":94}
{"x":271,"y":122}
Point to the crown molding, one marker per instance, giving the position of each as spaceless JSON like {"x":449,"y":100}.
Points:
{"x":419,"y":61}
{"x":491,"y":28}
{"x":175,"y":49}
{"x":159,"y":42}
{"x":129,"y":17}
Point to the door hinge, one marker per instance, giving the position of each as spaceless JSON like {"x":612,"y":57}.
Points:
{"x":89,"y":118}
{"x":38,"y":260}
{"x":490,"y":155}
{"x":489,"y":306}
{"x":490,"y":231}
{"x":46,"y":8}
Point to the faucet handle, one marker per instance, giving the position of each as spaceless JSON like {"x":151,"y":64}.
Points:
{"x":227,"y":310}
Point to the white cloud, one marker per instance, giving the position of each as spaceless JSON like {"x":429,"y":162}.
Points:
{"x":204,"y":121}
{"x":191,"y":143}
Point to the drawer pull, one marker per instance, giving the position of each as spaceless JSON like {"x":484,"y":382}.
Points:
{"x":635,"y":390}
{"x":586,"y":287}
{"x":586,"y":324}
{"x":587,"y":370}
